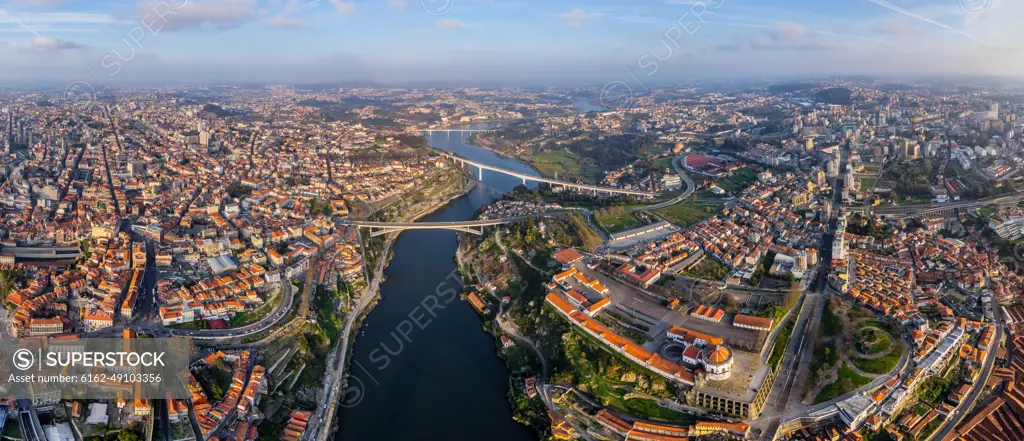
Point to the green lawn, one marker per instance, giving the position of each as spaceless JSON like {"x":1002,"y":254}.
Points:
{"x":872,"y":168}
{"x":684,"y":214}
{"x":707,"y":269}
{"x":831,"y":325}
{"x":662,"y":163}
{"x":12,"y":428}
{"x":848,"y":382}
{"x":565,"y":164}
{"x":875,"y":342}
{"x":987,"y":210}
{"x":878,"y":365}
{"x":781,"y":340}
{"x":826,"y":355}
{"x":741,"y":178}
{"x":191,"y":326}
{"x":914,"y":200}
{"x":618,"y":223}
{"x":866,"y":183}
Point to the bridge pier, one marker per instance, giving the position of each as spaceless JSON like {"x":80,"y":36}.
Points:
{"x":481,"y":173}
{"x":524,"y":181}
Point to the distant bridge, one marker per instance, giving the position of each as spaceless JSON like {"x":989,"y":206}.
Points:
{"x":475,"y":227}
{"x":455,"y":130}
{"x":526,"y":178}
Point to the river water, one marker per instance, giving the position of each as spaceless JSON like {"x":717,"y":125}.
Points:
{"x":424,"y":367}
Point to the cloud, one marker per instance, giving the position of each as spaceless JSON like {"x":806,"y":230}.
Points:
{"x":892,"y":27}
{"x":576,"y":17}
{"x":729,"y":47}
{"x":281,"y":22}
{"x":822,"y":46}
{"x":450,"y":24}
{"x":344,"y":7}
{"x":50,"y":44}
{"x":785,"y":30}
{"x":219,"y":14}
{"x":762,"y":42}
{"x":399,"y":4}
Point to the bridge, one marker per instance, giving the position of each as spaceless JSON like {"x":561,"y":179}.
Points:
{"x":474,"y":227}
{"x":454,"y":130}
{"x":527,"y":178}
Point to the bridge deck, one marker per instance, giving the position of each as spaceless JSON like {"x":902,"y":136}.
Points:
{"x":547,"y":180}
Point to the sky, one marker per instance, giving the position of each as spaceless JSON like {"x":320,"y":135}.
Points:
{"x":642,"y":43}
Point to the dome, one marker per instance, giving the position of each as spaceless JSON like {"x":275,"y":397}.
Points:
{"x":717,"y":354}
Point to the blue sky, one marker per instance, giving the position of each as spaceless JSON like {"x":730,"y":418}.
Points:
{"x":646,"y":42}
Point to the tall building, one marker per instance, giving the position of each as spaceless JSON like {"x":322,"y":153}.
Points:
{"x":819,"y":177}
{"x":810,"y":144}
{"x":833,"y":168}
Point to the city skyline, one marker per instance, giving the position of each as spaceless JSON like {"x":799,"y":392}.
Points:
{"x":647,"y":43}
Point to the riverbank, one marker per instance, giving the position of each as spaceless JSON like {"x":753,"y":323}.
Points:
{"x":402,"y":378}
{"x":355,"y":319}
{"x":477,"y":259}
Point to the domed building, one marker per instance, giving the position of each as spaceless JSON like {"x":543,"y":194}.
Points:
{"x":717,"y":360}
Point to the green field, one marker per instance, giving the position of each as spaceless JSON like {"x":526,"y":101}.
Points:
{"x":987,"y":210}
{"x":662,"y":163}
{"x":866,"y":183}
{"x":878,"y":365}
{"x":565,"y":164}
{"x":684,"y":214}
{"x":914,"y":200}
{"x":831,"y":324}
{"x":707,"y":269}
{"x":872,"y":168}
{"x":876,"y":342}
{"x":741,"y":179}
{"x":848,"y":382}
{"x":617,"y":223}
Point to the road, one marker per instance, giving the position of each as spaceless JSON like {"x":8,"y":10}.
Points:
{"x":543,"y":390}
{"x":324,"y":413}
{"x":963,"y":409}
{"x":690,"y":188}
{"x":781,"y":396}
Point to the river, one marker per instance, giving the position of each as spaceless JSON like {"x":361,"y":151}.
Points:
{"x":428,"y":373}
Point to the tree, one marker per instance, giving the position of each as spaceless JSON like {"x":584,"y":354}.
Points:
{"x":128,"y":435}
